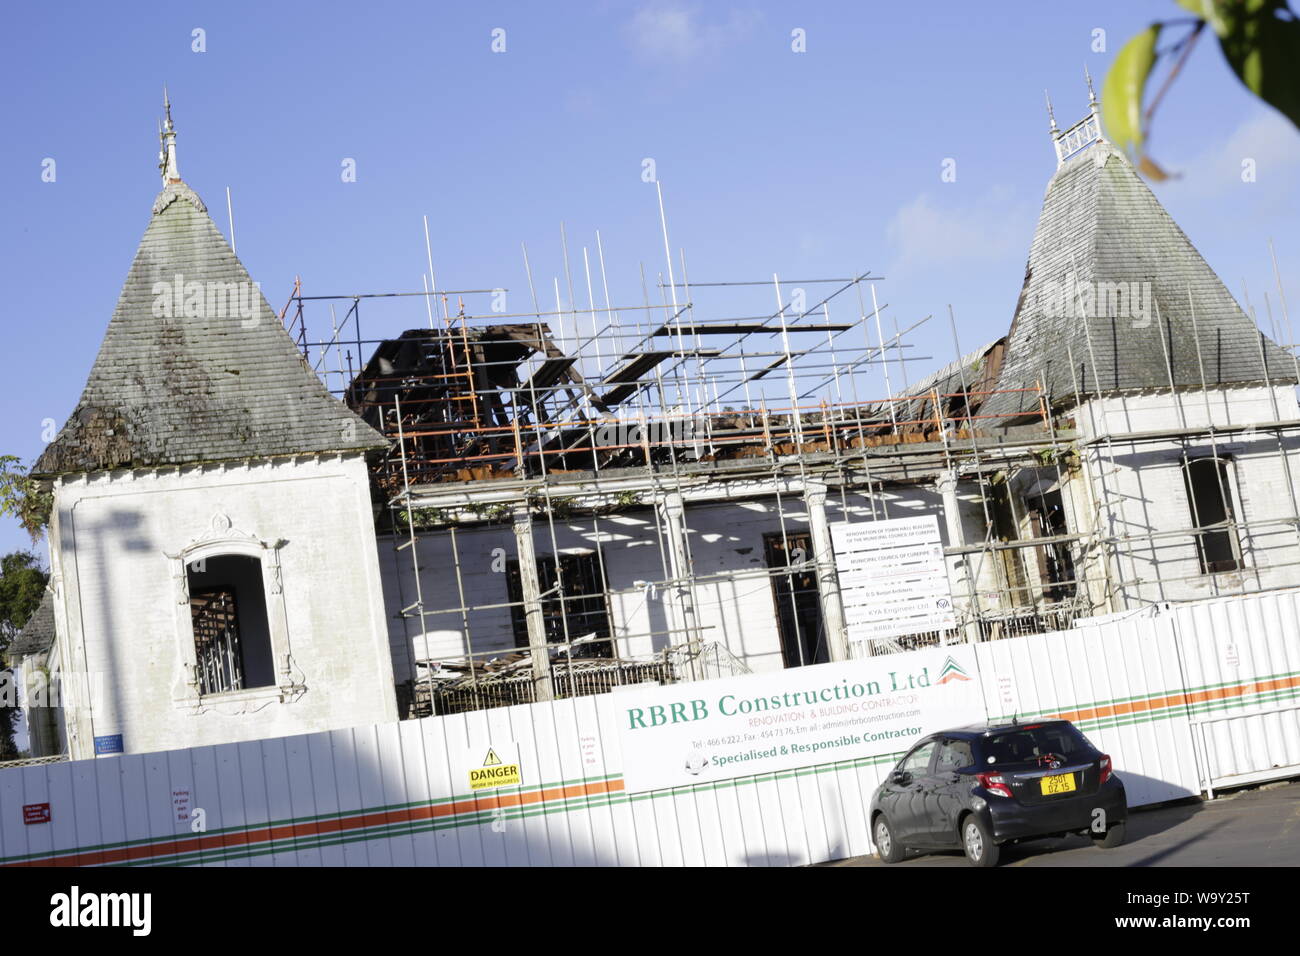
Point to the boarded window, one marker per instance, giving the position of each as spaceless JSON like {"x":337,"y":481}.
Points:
{"x":232,"y":641}
{"x":1209,"y":494}
{"x":573,"y":603}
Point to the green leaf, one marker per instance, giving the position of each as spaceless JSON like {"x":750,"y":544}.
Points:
{"x":1213,"y":12}
{"x":22,"y":497}
{"x":1263,"y":49}
{"x":1121,"y":95}
{"x":1225,"y":16}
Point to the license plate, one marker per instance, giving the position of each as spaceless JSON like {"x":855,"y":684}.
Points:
{"x":1059,"y":783}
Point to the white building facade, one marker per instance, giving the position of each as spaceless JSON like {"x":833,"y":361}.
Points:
{"x":212,"y":542}
{"x":218,"y":574}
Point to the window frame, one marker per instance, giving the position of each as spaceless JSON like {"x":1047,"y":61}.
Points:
{"x":796,"y":594}
{"x":929,"y":765}
{"x":1227,"y":478}
{"x":563,"y":610}
{"x":953,"y":741}
{"x":221,"y":540}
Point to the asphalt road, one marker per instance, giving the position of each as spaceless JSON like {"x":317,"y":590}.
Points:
{"x":1259,"y":827}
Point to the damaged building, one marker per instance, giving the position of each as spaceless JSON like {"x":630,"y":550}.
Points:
{"x":257,"y":532}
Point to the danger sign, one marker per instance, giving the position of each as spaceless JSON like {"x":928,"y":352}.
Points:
{"x":494,"y":772}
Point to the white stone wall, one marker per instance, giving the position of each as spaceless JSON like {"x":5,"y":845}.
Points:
{"x":1121,"y":414}
{"x":34,"y":733}
{"x":116,"y":538}
{"x":1143,"y":483}
{"x":733,"y":595}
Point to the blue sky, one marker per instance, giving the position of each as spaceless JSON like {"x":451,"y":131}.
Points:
{"x":821,"y":163}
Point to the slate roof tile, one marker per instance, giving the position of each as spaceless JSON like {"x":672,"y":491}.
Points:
{"x":207,"y":387}
{"x":1101,"y":225}
{"x":37,"y":634}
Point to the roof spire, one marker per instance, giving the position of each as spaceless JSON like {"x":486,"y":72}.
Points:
{"x":1051,"y":115}
{"x":167,"y":136}
{"x":1075,"y":139}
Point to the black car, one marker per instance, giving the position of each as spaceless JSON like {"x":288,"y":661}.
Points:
{"x":977,"y":788}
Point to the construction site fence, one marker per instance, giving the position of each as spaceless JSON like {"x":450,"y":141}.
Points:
{"x":457,"y":685}
{"x":1187,"y":699}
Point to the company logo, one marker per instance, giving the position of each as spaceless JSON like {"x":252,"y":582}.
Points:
{"x":696,"y":762}
{"x":951,"y":671}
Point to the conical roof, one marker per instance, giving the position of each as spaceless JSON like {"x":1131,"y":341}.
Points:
{"x":1117,"y":298}
{"x":38,"y":633}
{"x":195,"y":366}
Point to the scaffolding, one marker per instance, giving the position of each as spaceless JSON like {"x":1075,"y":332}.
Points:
{"x":544,"y":420}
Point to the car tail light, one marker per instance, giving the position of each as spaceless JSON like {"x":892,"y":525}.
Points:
{"x":1105,"y":768}
{"x":994,"y":783}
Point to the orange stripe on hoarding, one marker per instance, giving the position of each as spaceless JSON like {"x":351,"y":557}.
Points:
{"x":218,"y":841}
{"x":1174,"y":700}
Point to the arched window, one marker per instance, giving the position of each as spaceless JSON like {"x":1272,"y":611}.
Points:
{"x":233,"y":646}
{"x":232,"y":637}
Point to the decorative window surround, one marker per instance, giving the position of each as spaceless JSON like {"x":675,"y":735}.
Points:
{"x":222,"y":539}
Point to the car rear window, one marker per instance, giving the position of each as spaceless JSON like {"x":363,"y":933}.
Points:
{"x":954,"y":755}
{"x":1031,"y":742}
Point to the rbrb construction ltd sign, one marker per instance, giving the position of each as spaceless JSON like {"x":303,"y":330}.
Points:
{"x":714,"y":730}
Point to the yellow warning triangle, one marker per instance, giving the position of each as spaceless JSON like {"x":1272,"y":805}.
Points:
{"x":491,"y":760}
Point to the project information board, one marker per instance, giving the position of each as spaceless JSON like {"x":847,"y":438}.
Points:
{"x":893,"y":577}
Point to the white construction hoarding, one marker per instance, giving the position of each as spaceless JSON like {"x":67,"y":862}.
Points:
{"x":1181,"y":699}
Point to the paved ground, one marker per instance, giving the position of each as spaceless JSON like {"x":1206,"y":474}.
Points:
{"x":1259,"y":827}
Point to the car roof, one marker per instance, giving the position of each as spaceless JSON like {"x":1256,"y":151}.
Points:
{"x":971,"y":731}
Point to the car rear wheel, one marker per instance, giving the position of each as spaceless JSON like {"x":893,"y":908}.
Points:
{"x":978,"y":843}
{"x":887,"y":848}
{"x":1113,"y":837}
